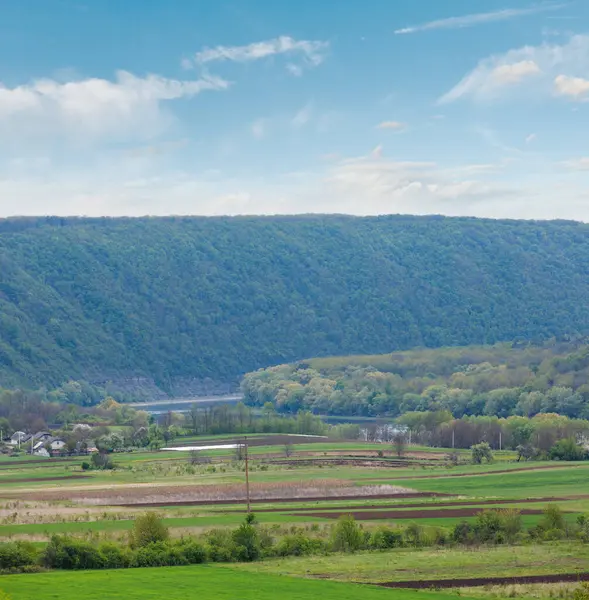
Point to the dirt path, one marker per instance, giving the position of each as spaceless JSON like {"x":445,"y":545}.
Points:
{"x":481,"y":581}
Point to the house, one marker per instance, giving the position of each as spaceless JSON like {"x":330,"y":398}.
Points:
{"x":18,"y":437}
{"x":57,"y":444}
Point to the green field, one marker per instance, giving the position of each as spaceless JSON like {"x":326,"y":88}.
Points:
{"x":438,"y":563}
{"x":187,"y":583}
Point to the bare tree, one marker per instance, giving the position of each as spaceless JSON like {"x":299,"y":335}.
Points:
{"x":289,"y":449}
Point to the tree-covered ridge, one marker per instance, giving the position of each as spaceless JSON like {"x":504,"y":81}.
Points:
{"x":179,"y":298}
{"x":500,"y":380}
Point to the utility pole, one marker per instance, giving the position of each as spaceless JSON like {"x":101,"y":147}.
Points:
{"x":452,"y":439}
{"x":247,"y":476}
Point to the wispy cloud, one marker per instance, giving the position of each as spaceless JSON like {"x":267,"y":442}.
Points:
{"x":394,"y":125}
{"x":478,"y":18}
{"x":531,"y":138}
{"x":312,"y":52}
{"x":540,"y":67}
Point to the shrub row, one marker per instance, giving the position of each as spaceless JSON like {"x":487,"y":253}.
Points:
{"x":149,"y":544}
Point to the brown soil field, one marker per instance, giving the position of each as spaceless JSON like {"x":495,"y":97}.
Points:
{"x":170,"y":495}
{"x":429,"y":504}
{"x":267,"y":500}
{"x":481,"y":581}
{"x":405,"y":514}
{"x":350,"y":461}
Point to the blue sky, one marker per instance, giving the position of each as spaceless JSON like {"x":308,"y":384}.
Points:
{"x":271,"y":106}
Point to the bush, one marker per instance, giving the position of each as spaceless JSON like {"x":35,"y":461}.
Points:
{"x":386,"y":537}
{"x":299,"y":545}
{"x":220,"y":546}
{"x":414,"y":535}
{"x":247,"y":541}
{"x":15,"y":555}
{"x":553,"y":518}
{"x":115,"y":556}
{"x":497,"y":526}
{"x":102,"y":461}
{"x":347,"y":535}
{"x":567,"y":449}
{"x":69,"y":553}
{"x":147,"y":529}
{"x":464,"y":533}
{"x":159,"y":554}
{"x":194,"y":552}
{"x":85,"y":466}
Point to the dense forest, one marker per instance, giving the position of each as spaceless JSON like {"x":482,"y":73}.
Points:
{"x":500,"y":380}
{"x":191,"y":302}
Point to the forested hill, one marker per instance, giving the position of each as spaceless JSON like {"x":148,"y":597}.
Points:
{"x":181,"y":298}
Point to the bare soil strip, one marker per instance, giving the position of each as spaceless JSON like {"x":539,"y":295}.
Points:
{"x":405,"y":514}
{"x":430,"y":504}
{"x":273,"y":500}
{"x":481,"y":581}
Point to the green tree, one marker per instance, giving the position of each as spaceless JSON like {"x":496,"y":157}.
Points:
{"x":481,"y":452}
{"x":147,"y":529}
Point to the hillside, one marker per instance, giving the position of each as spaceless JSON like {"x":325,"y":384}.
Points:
{"x":502,"y":380}
{"x":178,"y":300}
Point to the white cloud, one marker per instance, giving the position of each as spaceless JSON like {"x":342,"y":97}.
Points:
{"x":537,"y":66}
{"x":311,"y":51}
{"x":96,"y":108}
{"x":576,"y":88}
{"x":479,"y":18}
{"x":302,"y":117}
{"x":396,"y":125}
{"x":259,"y":128}
{"x":530,"y":138}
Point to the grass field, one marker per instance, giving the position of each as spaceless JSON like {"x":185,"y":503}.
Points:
{"x":439,"y":563}
{"x":187,"y":583}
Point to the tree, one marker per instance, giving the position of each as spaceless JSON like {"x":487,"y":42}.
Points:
{"x":525,"y":451}
{"x":147,"y":529}
{"x":481,"y":452}
{"x":288,"y":449}
{"x":347,"y":535}
{"x":399,"y":442}
{"x":247,"y":540}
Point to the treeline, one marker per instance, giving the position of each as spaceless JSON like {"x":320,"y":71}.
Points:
{"x":531,"y":438}
{"x":150,"y":545}
{"x":31,"y":411}
{"x":193,"y":298}
{"x":501,"y":380}
{"x":225,"y":418}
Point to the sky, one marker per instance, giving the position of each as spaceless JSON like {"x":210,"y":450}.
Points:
{"x":225,"y":107}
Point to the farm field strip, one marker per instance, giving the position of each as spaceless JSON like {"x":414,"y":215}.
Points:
{"x":179,"y":583}
{"x":432,"y":564}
